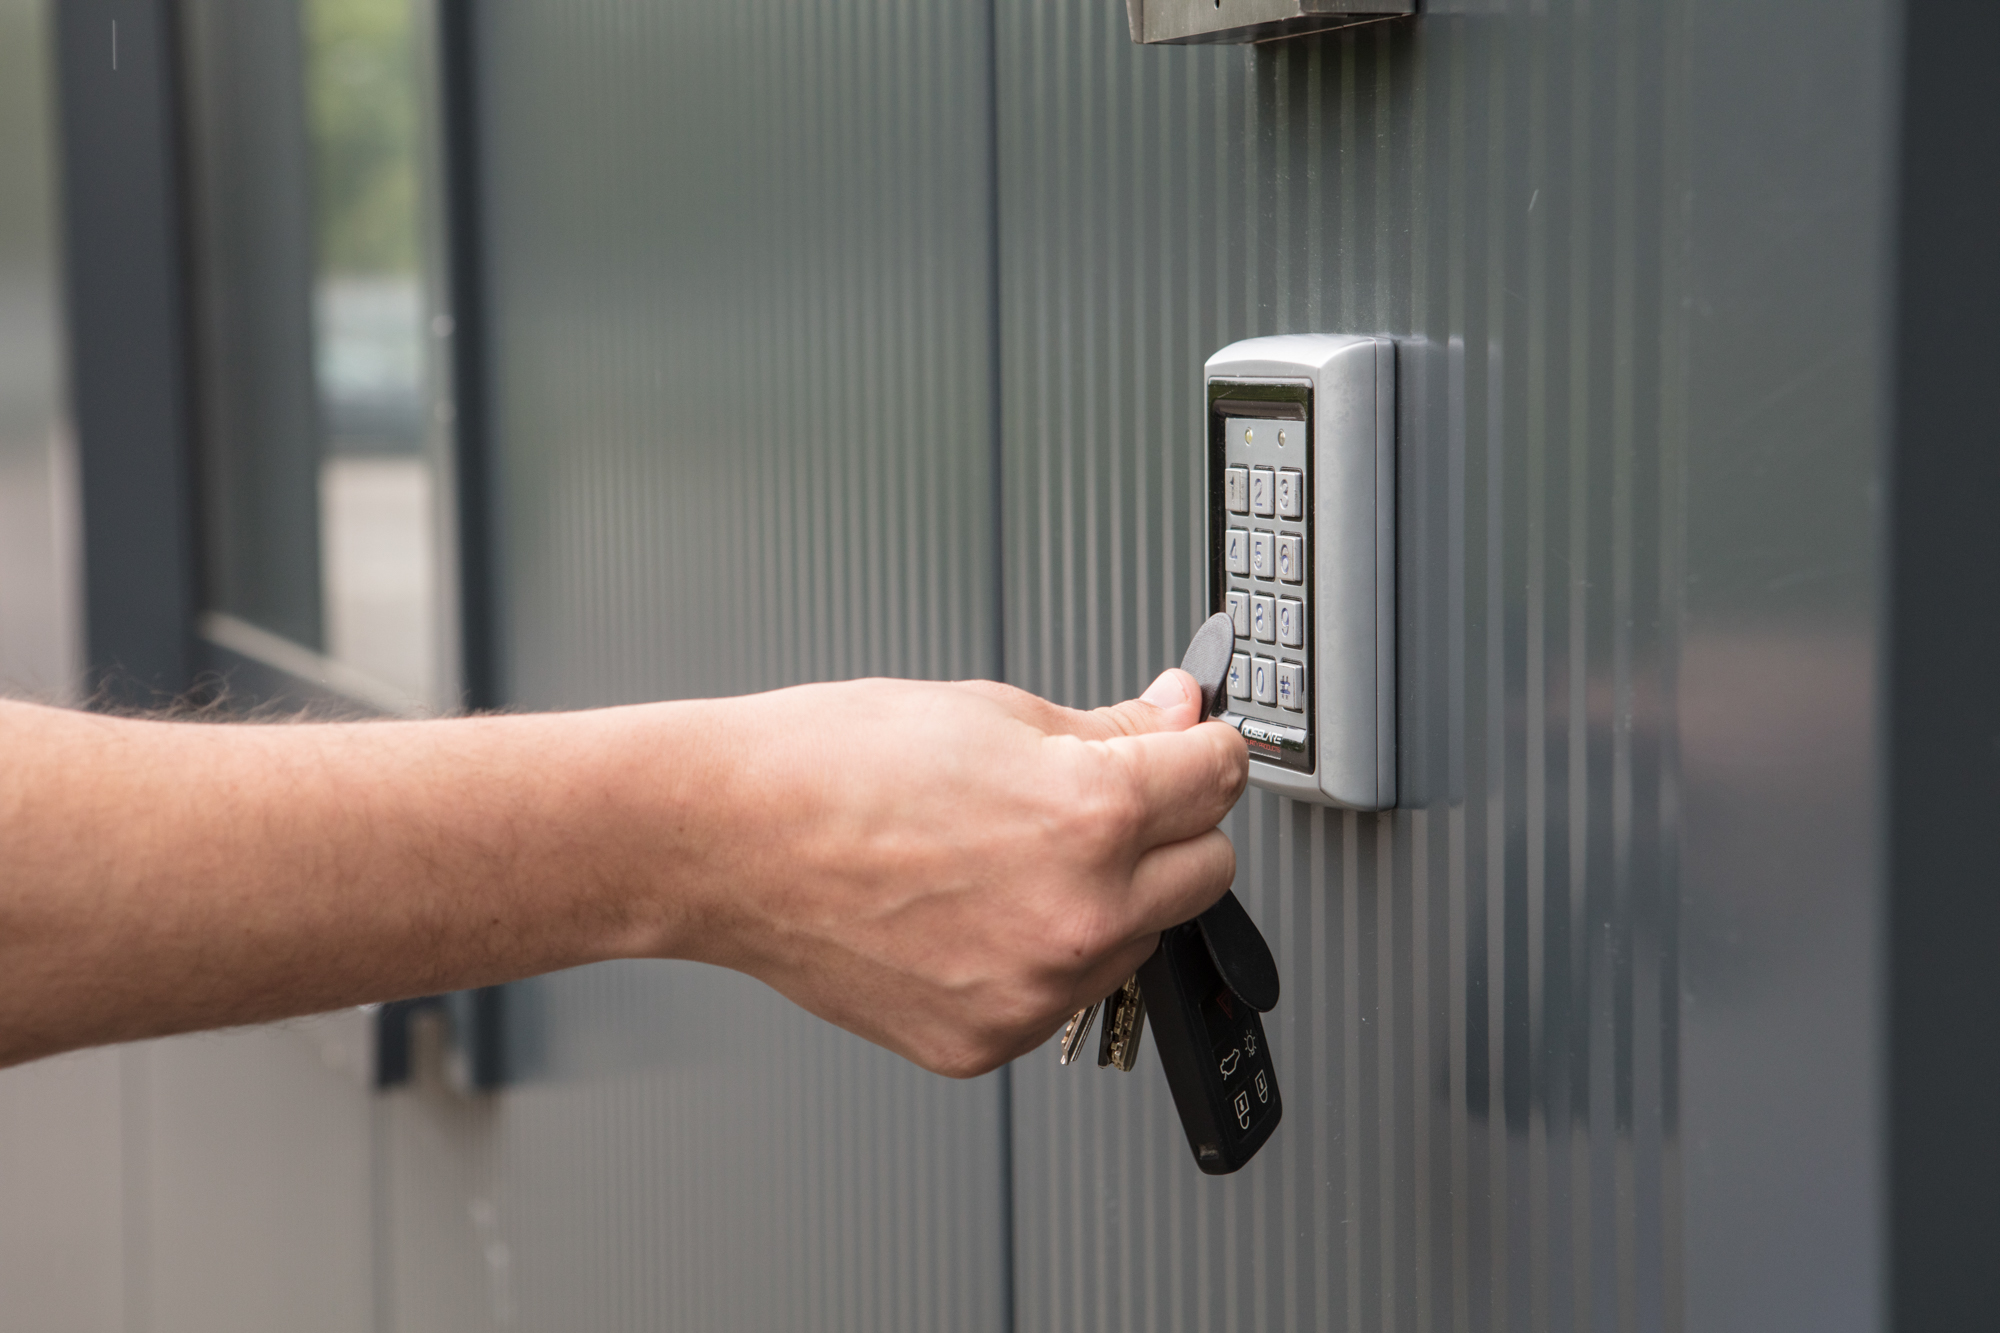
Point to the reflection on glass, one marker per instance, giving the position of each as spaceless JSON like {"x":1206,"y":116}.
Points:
{"x":377,"y":486}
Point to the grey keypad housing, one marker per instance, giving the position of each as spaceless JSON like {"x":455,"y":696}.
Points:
{"x":1266,"y":542}
{"x":1300,"y":442}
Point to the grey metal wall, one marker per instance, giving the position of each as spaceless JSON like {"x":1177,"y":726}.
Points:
{"x":740,"y":289}
{"x":1586,"y":1035}
{"x":738,"y":270}
{"x":1581,"y":1036}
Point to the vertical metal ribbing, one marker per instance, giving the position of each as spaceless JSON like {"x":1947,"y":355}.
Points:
{"x":740,"y":264}
{"x":1466,"y":1065}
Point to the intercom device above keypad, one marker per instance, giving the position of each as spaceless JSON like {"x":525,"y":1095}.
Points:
{"x":1301,"y":523}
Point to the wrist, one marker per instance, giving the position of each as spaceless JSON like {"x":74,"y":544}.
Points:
{"x":661,"y":817}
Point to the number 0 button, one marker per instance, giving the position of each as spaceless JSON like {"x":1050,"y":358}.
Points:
{"x":1264,"y":680}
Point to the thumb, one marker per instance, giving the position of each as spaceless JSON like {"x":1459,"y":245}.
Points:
{"x":1170,"y":703}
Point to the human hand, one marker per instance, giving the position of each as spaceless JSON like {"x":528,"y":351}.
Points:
{"x":950,"y":870}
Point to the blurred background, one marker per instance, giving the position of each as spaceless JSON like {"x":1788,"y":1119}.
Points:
{"x":404,"y":357}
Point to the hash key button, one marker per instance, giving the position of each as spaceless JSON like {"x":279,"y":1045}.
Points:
{"x":1292,"y":686}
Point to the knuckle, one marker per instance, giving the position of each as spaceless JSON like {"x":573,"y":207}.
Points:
{"x":1230,"y":764}
{"x":1101,"y":813}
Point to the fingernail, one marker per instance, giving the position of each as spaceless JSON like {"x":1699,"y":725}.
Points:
{"x":1165,"y":692}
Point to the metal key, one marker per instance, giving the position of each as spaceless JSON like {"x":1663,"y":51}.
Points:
{"x":1075,"y":1031}
{"x":1124,"y":1025}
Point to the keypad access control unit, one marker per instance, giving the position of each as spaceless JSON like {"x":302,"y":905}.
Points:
{"x":1302,"y":538}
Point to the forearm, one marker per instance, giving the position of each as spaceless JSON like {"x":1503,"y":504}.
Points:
{"x":944,"y":869}
{"x":160,"y":877}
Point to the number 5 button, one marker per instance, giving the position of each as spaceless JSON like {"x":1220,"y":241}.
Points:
{"x":1261,"y":560}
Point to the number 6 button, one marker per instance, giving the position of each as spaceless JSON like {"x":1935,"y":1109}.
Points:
{"x":1291,"y":557}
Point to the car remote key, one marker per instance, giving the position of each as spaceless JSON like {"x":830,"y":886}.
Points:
{"x":1212,"y":1047}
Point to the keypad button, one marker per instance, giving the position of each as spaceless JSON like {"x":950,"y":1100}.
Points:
{"x":1291,"y":622}
{"x":1263,"y":555}
{"x":1291,"y":557}
{"x":1264,"y":680}
{"x":1236,"y":489}
{"x":1292,"y":686}
{"x":1264,"y":619}
{"x":1236,"y":550}
{"x":1263,"y":492}
{"x":1291,"y":493}
{"x":1239,"y":612}
{"x":1239,"y":676}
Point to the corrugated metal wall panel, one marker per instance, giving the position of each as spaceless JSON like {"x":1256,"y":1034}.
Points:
{"x":740,"y":278}
{"x":739,"y":275}
{"x":685,"y":1151}
{"x":1479,"y":1029}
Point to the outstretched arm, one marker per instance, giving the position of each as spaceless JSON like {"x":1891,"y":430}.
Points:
{"x":945,"y":869}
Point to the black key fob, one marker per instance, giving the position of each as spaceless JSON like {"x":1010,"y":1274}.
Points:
{"x":1204,"y":988}
{"x":1212,"y":1048}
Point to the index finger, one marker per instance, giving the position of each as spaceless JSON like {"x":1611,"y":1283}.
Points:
{"x":1187,"y":780}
